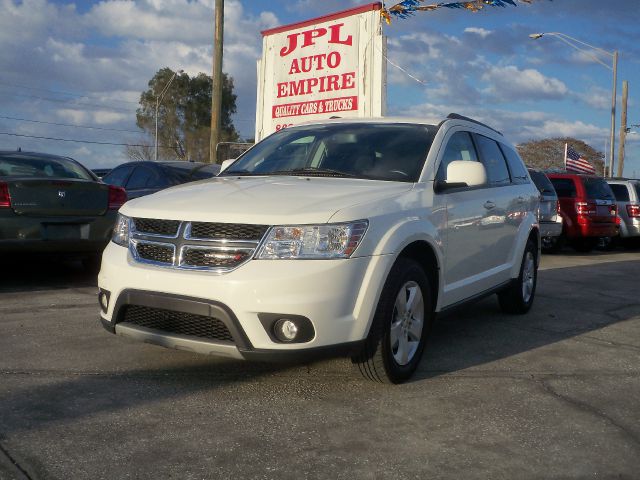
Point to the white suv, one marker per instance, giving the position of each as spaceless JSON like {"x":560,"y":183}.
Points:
{"x":340,"y":237}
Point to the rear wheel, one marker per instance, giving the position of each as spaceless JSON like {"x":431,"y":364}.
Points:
{"x":400,"y":326}
{"x":554,"y":244}
{"x":518,"y":297}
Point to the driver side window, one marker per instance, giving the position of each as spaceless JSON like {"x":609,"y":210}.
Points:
{"x":459,"y":148}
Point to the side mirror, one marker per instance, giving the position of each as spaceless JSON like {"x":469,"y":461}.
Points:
{"x":226,"y":164}
{"x":463,"y":174}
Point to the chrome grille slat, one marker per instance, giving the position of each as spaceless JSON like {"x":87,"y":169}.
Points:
{"x":157,"y":227}
{"x":211,"y":247}
{"x":225,"y":231}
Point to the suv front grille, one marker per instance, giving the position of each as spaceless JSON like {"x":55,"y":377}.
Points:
{"x":156,"y":253}
{"x":223,"y":231}
{"x":206,"y":257}
{"x":154,"y":226}
{"x":217,"y":247}
{"x":176,"y":322}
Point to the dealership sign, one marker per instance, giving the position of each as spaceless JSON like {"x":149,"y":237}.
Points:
{"x":330,"y":66}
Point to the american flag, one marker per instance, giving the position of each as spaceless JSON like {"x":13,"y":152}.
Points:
{"x":573,"y":162}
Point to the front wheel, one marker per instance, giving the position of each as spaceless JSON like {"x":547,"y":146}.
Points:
{"x":400,"y":325}
{"x":518,"y":297}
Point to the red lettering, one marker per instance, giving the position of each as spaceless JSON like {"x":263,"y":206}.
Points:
{"x":318,"y":59}
{"x":310,"y":35}
{"x":332,"y":81}
{"x":292,"y":45}
{"x":348,"y":80}
{"x":312,"y":82}
{"x":295,"y":68}
{"x":307,"y":63}
{"x":335,"y":35}
{"x":297,"y":88}
{"x":282,"y":89}
{"x":333,"y":59}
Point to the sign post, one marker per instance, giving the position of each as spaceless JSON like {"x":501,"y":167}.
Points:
{"x":326,"y":67}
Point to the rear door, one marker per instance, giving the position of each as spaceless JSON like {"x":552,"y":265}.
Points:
{"x":504,"y":205}
{"x":466,"y":242}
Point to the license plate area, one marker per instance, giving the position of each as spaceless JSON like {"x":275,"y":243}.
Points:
{"x":65,"y":231}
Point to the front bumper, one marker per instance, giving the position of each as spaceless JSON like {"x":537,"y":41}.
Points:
{"x":338,"y":297}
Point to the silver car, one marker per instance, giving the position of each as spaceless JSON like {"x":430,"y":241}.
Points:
{"x":548,"y":216}
{"x":627,"y":193}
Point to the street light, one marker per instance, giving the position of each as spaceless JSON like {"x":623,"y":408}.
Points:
{"x":614,"y":68}
{"x":158,"y":98}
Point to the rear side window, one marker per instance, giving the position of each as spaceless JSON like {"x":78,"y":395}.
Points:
{"x":542,"y":182}
{"x":621,"y":192}
{"x":564,"y":187}
{"x":597,"y":189}
{"x":516,"y":166}
{"x":493,"y":160}
{"x":637,"y":185}
{"x":118,"y":176}
{"x":142,"y":177}
{"x":459,"y":148}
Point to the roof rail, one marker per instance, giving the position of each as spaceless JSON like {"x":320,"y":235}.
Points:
{"x":457,"y":116}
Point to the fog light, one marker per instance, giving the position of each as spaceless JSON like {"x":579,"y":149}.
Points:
{"x":103,"y":299}
{"x":286,"y":330}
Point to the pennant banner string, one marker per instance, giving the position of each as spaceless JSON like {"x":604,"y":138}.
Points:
{"x":406,"y":8}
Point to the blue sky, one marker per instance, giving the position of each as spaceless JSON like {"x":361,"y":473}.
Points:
{"x":85,"y":63}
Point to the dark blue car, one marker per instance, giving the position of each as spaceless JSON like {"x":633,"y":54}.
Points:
{"x":143,"y":178}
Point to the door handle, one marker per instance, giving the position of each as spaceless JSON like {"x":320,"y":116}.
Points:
{"x":489,"y":205}
{"x":520,"y":199}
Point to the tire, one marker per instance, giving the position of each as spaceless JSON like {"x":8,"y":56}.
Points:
{"x":555,"y":244}
{"x":518,"y":297}
{"x":396,"y":341}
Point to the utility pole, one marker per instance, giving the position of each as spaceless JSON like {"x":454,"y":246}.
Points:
{"x":216,"y":94}
{"x":613,"y":114}
{"x":623,"y":127}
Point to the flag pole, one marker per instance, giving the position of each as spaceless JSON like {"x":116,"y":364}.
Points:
{"x":565,"y":156}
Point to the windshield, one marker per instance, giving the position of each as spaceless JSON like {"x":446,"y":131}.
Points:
{"x":360,"y":150}
{"x":20,"y":165}
{"x":597,"y":188}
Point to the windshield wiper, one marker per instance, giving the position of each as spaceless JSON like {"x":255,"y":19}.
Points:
{"x":313,"y":171}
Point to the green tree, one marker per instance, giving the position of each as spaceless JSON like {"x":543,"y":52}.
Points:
{"x":548,"y":154}
{"x":184,"y":116}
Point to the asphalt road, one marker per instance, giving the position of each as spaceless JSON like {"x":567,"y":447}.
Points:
{"x":552,"y":394}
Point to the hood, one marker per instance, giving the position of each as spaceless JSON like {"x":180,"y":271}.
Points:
{"x":262,"y":200}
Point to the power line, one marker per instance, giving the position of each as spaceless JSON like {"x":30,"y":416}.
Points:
{"x":59,"y":92}
{"x":78,"y":141}
{"x":70,"y":125}
{"x":59,"y":100}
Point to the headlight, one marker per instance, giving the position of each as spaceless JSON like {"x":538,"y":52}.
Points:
{"x":338,"y":240}
{"x":121,"y":231}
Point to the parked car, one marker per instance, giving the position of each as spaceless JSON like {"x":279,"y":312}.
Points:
{"x":144,"y":178}
{"x":54,"y":204}
{"x":627,"y":193}
{"x":100,"y":172}
{"x":588,"y":209}
{"x":343,"y":237}
{"x":549,"y":212}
